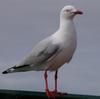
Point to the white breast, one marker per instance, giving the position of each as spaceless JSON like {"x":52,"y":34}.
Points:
{"x":68,"y":45}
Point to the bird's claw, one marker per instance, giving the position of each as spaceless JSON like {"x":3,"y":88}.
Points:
{"x":50,"y":94}
{"x":53,"y":94}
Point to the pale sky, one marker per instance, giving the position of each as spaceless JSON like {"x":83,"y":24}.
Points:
{"x":23,"y":23}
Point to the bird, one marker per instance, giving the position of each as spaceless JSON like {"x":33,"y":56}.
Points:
{"x":53,"y":51}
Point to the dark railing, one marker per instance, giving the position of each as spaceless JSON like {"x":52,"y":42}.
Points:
{"x":15,"y":94}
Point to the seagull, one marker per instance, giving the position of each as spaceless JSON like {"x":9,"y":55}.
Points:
{"x":52,"y":52}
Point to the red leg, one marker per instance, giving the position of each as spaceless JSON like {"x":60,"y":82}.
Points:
{"x":46,"y":80}
{"x":56,"y":76}
{"x":48,"y":93}
{"x":55,"y":92}
{"x":51,"y":94}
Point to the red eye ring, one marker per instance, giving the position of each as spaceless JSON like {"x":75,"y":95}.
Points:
{"x":67,"y":10}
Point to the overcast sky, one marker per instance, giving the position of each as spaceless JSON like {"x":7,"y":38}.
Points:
{"x":23,"y":23}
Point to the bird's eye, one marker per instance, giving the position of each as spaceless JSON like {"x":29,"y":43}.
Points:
{"x":67,"y":10}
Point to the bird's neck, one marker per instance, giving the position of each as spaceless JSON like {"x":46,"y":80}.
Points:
{"x":66,"y":25}
{"x":66,"y":30}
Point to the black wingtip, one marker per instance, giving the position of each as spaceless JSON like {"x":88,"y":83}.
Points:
{"x":5,"y":72}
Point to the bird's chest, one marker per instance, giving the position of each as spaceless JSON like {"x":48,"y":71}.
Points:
{"x":63,"y":56}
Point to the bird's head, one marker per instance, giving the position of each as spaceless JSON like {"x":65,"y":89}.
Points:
{"x":69,"y":12}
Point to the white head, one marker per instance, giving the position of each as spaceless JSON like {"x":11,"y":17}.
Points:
{"x":68,"y":12}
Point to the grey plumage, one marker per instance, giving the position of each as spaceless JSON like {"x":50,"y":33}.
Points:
{"x":40,"y":54}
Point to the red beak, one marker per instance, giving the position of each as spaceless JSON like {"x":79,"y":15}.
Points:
{"x":78,"y":12}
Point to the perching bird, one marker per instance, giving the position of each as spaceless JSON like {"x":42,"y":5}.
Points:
{"x":54,"y":51}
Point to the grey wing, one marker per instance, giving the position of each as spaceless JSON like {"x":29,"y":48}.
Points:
{"x":43,"y":52}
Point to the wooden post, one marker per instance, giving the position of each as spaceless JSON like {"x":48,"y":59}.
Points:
{"x":16,"y":94}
